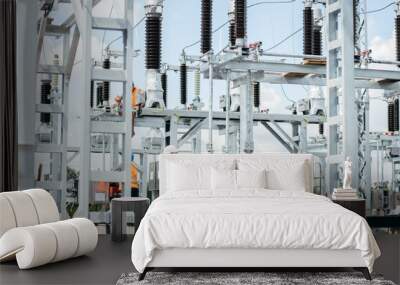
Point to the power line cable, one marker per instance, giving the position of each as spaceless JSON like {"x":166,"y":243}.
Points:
{"x":248,"y":6}
{"x":380,"y":9}
{"x":270,"y":2}
{"x":133,"y":27}
{"x":286,"y":96}
{"x":300,"y":29}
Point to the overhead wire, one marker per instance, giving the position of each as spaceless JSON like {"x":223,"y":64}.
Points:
{"x":105,"y":31}
{"x":300,"y":29}
{"x":380,"y":9}
{"x":248,"y":6}
{"x":133,"y":27}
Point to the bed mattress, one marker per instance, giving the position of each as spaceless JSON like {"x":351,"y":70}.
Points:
{"x":250,"y":219}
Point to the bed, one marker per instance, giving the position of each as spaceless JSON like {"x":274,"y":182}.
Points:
{"x":247,"y":211}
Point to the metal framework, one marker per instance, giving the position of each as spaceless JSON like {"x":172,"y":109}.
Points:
{"x":119,"y":172}
{"x":347,"y":99}
{"x":57,"y":148}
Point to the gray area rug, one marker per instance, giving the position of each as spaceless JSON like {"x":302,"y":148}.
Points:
{"x":269,"y":278}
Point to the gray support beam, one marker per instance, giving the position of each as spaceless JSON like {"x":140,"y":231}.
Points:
{"x":42,"y":31}
{"x":128,"y":66}
{"x":246,"y":116}
{"x":69,"y":60}
{"x":278,"y":137}
{"x":194,"y":129}
{"x":350,"y":130}
{"x":84,"y":21}
{"x":286,"y":136}
{"x":173,"y":132}
{"x":227,"y":110}
{"x":210,"y":148}
{"x":340,"y":80}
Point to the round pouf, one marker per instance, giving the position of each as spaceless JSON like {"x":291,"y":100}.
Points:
{"x":137,"y":205}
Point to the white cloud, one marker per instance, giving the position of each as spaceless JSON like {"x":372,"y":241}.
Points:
{"x":271,"y":99}
{"x":383,"y":48}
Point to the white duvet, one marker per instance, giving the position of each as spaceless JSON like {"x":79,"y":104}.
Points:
{"x":255,"y":218}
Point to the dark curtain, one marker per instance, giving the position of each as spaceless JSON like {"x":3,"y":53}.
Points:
{"x":8,"y":97}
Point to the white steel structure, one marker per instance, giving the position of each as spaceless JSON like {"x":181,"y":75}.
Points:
{"x":57,"y":148}
{"x":86,"y":23}
{"x":342,"y":108}
{"x":347,"y":80}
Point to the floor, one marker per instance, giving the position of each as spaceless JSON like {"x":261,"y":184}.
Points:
{"x":110,"y":260}
{"x":103,"y":266}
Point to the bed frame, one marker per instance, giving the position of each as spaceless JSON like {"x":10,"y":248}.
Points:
{"x":233,"y":259}
{"x":242,"y":259}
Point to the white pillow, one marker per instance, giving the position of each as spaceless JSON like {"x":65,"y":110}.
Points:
{"x":251,"y":178}
{"x":282,"y":173}
{"x":183,"y":177}
{"x":223,"y":179}
{"x":193,"y":175}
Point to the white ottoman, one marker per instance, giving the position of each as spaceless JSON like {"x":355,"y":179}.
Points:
{"x":31,"y":233}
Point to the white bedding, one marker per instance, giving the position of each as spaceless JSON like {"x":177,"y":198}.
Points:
{"x":251,"y":218}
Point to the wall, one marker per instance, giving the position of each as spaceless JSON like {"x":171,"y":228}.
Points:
{"x":27,"y":15}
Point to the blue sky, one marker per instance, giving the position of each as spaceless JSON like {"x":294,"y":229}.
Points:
{"x":268,"y":23}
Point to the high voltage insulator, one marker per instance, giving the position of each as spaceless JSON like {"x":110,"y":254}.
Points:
{"x":232,"y":33}
{"x":240,"y":19}
{"x":45,"y":99}
{"x":321,"y":129}
{"x":164,"y":87}
{"x":397,"y":24}
{"x":197,"y":83}
{"x":153,"y":42}
{"x":206,"y":26}
{"x":355,"y":21}
{"x":106,"y":84}
{"x":317,"y":41}
{"x":256,"y":91}
{"x":183,"y":77}
{"x":396,"y":116}
{"x":91,"y":93}
{"x":308,"y":21}
{"x":99,"y":94}
{"x":391,"y":116}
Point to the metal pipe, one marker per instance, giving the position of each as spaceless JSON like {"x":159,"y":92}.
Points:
{"x":262,"y":53}
{"x":210,"y":103}
{"x":310,"y":56}
{"x":385,"y":61}
{"x":227,"y":109}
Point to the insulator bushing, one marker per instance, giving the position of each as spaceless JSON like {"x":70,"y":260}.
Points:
{"x":167,"y":132}
{"x":106,"y":84}
{"x":295,"y":127}
{"x":232,"y":34}
{"x":397,"y":24}
{"x":153,"y":41}
{"x":91,"y":93}
{"x":317,"y":42}
{"x":240,"y":18}
{"x":396,"y":116}
{"x":321,"y":129}
{"x":183,"y":78}
{"x":355,"y":21}
{"x":45,"y":99}
{"x":391,"y":116}
{"x":308,"y":21}
{"x":164,"y":87}
{"x":256,"y":91}
{"x":99,"y":94}
{"x":206,"y":26}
